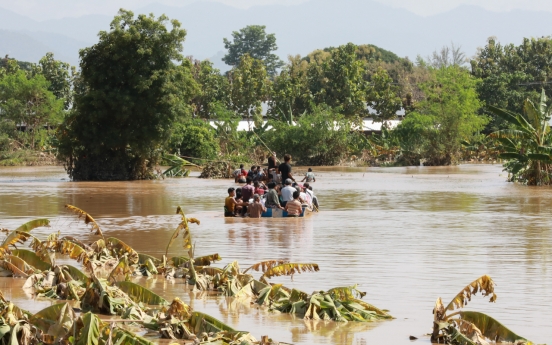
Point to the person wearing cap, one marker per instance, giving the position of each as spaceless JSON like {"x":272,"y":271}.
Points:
{"x":287,"y":192}
{"x":256,"y":209}
{"x":231,"y":206}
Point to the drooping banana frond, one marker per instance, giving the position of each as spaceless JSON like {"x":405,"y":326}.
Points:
{"x":289,"y":269}
{"x":120,"y":248}
{"x":187,"y":236}
{"x":489,"y":327}
{"x":74,"y":251}
{"x":346,"y":293}
{"x":32,"y":259}
{"x":33,"y":224}
{"x":141,"y":294}
{"x":20,"y":263}
{"x":179,"y":310}
{"x":13,"y":269}
{"x":117,"y":335}
{"x":263,"y":266}
{"x":48,"y":316}
{"x":483,"y":284}
{"x":13,"y":238}
{"x":122,"y":269}
{"x":206,"y":260}
{"x":87,"y":219}
{"x":90,"y":331}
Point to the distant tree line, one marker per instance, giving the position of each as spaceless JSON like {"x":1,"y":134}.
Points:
{"x":135,"y":96}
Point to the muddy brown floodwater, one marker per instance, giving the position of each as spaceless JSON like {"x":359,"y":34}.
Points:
{"x":405,"y":235}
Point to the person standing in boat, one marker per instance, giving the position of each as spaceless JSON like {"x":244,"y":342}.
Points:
{"x":285,"y":168}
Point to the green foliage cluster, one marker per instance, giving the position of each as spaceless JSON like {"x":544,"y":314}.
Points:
{"x":136,"y":83}
{"x":324,"y":137}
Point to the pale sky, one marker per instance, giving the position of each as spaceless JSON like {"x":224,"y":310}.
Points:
{"x":49,"y":9}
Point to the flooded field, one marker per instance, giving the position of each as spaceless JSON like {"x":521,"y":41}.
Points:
{"x":405,"y":235}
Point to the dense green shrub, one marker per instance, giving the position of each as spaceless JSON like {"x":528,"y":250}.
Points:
{"x":320,"y":138}
{"x":194,"y":138}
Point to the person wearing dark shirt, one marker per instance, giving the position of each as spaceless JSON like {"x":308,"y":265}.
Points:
{"x":272,"y":162}
{"x":285,"y":168}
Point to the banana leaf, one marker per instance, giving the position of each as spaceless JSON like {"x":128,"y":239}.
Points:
{"x":119,"y":336}
{"x":32,"y":259}
{"x":90,"y":331}
{"x":76,"y":273}
{"x":48,"y":316}
{"x":12,"y":270}
{"x":142,"y":258}
{"x":20,"y":264}
{"x":15,"y":237}
{"x":178,"y":261}
{"x":201,"y":323}
{"x":265,"y":265}
{"x":74,"y":251}
{"x":33,"y":224}
{"x":489,"y":327}
{"x":206,"y":260}
{"x":140,"y":294}
{"x":120,"y":248}
{"x":87,"y":219}
{"x":483,"y":284}
{"x":289,"y":269}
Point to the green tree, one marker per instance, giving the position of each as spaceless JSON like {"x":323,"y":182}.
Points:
{"x":213,"y":89}
{"x":382,"y":97}
{"x":60,"y":75}
{"x":27,"y":101}
{"x":447,"y":116}
{"x":338,"y":82}
{"x":290,"y":96}
{"x":249,"y":87}
{"x":510,"y":74}
{"x":255,"y":42}
{"x":132,"y":92}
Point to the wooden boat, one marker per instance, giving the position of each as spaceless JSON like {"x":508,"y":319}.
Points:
{"x":278,"y":213}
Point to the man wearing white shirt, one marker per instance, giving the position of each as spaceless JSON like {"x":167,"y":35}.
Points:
{"x":287,"y":192}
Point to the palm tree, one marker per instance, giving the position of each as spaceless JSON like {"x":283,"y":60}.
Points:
{"x":527,"y":144}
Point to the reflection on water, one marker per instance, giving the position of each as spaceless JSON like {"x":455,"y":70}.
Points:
{"x":405,"y":235}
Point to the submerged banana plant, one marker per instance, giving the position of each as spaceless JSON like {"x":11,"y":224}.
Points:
{"x":470,"y":327}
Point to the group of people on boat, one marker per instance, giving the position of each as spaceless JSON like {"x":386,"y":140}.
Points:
{"x":270,"y":188}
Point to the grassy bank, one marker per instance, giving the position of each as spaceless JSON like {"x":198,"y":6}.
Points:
{"x":27,"y":158}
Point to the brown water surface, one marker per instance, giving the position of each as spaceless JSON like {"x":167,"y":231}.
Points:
{"x":405,"y":235}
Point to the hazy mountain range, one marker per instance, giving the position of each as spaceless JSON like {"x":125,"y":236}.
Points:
{"x":299,"y":29}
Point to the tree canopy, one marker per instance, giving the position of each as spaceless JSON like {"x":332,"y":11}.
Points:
{"x":255,"y":42}
{"x":135,"y":83}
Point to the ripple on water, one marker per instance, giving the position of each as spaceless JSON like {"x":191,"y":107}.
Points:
{"x":405,"y":235}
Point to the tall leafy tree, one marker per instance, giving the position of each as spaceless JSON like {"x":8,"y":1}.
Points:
{"x":339,"y":81}
{"x":249,"y":87}
{"x":290,"y":95}
{"x":135,"y":83}
{"x":213,"y":89}
{"x":60,"y":75}
{"x":447,"y":116}
{"x":383,"y":97}
{"x":510,"y":74}
{"x":26,"y":100}
{"x":255,"y":42}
